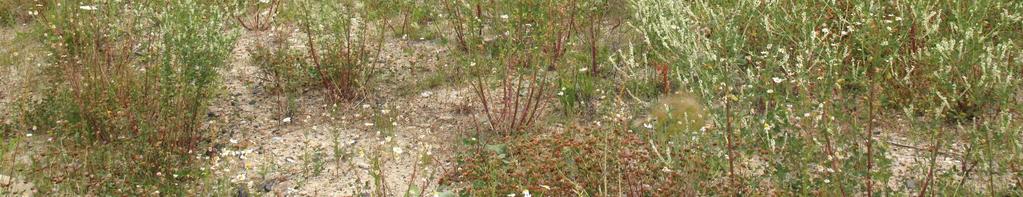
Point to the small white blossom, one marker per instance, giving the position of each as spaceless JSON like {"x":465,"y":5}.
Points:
{"x":778,"y":79}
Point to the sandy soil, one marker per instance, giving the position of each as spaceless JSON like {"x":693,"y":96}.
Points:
{"x":15,"y":85}
{"x":16,"y":75}
{"x":266,"y":151}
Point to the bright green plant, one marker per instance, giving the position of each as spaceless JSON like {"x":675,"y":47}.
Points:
{"x":801,"y":86}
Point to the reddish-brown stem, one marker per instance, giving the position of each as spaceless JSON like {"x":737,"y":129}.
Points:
{"x":934,"y":158}
{"x":870,"y":138}
{"x":728,"y":140}
{"x":316,"y":58}
{"x":830,"y":150}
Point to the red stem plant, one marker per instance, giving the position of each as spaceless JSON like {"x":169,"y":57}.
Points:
{"x":258,"y":23}
{"x":522,"y":100}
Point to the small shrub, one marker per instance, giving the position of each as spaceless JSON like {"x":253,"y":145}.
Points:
{"x":342,"y":45}
{"x":520,"y":101}
{"x":255,"y":15}
{"x":283,"y":68}
{"x":128,"y":95}
{"x":789,"y":83}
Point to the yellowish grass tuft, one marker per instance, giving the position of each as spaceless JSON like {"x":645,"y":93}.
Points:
{"x":677,"y":113}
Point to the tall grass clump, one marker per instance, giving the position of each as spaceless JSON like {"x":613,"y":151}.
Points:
{"x":130,"y":82}
{"x":799,"y":92}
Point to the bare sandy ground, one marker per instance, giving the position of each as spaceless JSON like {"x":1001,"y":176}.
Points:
{"x":15,"y":85}
{"x":328,"y":148}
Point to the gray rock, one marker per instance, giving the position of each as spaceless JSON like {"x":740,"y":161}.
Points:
{"x":362,"y":164}
{"x":910,"y":185}
{"x":268,"y":185}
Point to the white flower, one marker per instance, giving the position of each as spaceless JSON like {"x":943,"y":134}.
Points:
{"x":648,"y":125}
{"x":264,"y":1}
{"x":397,"y":150}
{"x":87,"y":7}
{"x":28,"y":135}
{"x":233,"y":141}
{"x":777,"y":79}
{"x":286,"y":120}
{"x":769,"y":91}
{"x":504,"y":16}
{"x":525,"y":193}
{"x":584,"y":69}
